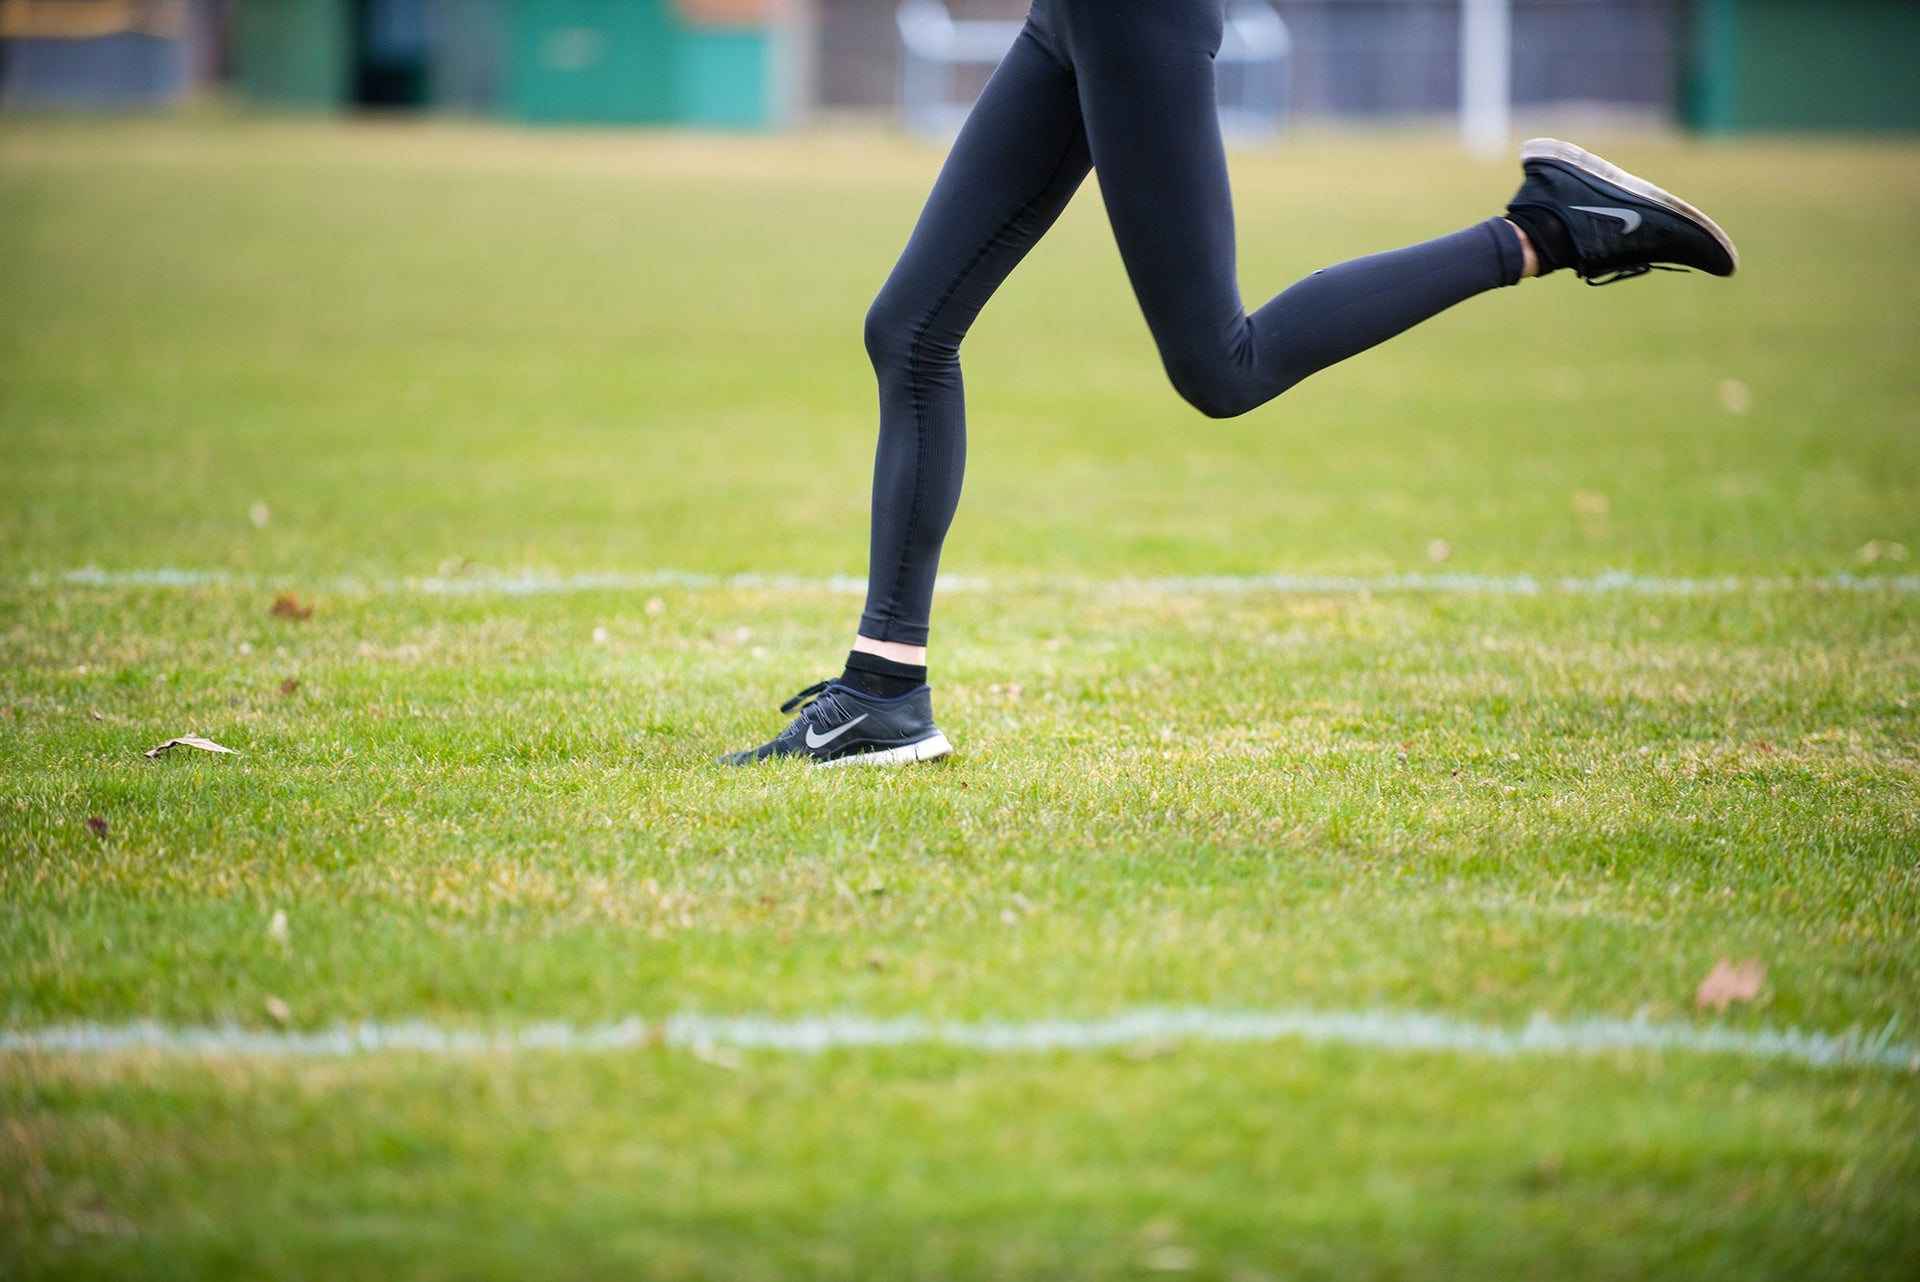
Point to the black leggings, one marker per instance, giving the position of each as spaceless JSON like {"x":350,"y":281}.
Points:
{"x":1125,"y":87}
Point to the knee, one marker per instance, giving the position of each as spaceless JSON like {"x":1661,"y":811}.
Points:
{"x":1210,"y":386}
{"x":889,"y":334}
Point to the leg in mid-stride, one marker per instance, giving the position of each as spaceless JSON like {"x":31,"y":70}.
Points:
{"x":1131,"y":94}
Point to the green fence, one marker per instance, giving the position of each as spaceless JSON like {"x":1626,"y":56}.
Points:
{"x":546,"y":61}
{"x":296,"y":53}
{"x":1803,"y":64}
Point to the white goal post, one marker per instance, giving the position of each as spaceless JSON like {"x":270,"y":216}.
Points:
{"x":1486,"y":67}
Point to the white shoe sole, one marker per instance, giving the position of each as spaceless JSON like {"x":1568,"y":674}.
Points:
{"x":926,"y":750}
{"x":1586,"y":162}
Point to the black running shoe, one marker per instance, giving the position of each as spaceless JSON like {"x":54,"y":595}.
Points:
{"x":838,"y":725}
{"x":1621,"y":226}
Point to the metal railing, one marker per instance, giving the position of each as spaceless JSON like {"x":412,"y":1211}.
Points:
{"x":1250,"y":69}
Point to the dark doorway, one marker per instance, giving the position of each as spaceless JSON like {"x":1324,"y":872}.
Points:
{"x":390,"y":53}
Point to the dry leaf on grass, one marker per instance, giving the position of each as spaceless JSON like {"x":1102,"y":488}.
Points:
{"x":1591,"y":503}
{"x":289,"y":686}
{"x":1881,"y":550}
{"x":190,"y":741}
{"x":1728,"y":983}
{"x":717,"y":1056}
{"x":287,"y":606}
{"x":278,"y":1010}
{"x":1158,"y":1248}
{"x":97,"y":826}
{"x":1171,"y":1258}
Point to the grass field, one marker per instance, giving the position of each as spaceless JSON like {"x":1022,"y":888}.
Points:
{"x":1511,"y":676}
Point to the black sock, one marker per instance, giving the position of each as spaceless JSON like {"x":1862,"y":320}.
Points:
{"x":881,"y":678}
{"x":1552,"y":246}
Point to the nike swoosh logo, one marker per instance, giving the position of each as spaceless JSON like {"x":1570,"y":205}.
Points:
{"x":822,"y":740}
{"x":1629,"y":218}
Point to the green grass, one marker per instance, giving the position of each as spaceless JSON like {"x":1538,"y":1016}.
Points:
{"x":446,"y":353}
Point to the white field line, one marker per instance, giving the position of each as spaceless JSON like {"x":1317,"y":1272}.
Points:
{"x":1390,"y":1031}
{"x":846,"y":585}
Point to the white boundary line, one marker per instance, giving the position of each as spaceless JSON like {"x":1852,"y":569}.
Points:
{"x":1617,"y":583}
{"x":1392,"y":1031}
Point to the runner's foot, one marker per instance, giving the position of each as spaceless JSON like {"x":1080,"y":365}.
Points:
{"x":838,"y":725}
{"x":1610,"y":224}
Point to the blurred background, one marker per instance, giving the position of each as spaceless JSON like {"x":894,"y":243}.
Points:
{"x":1709,"y":65}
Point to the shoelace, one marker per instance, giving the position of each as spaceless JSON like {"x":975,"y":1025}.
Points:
{"x":1628,"y":272}
{"x":806,"y":696}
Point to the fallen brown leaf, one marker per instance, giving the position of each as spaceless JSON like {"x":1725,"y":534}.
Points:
{"x":1727,"y":983}
{"x":278,"y":1010}
{"x":95,"y":714}
{"x":1589,"y":503}
{"x":717,"y":1056}
{"x":288,"y":686}
{"x":190,"y":741}
{"x":1159,"y":1249}
{"x":97,"y":826}
{"x":1881,"y":550}
{"x":1171,"y":1258}
{"x":1546,"y":1171}
{"x":287,"y":606}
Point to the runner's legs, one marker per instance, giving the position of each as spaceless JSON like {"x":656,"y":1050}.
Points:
{"x":1017,"y":161}
{"x":1126,"y":86}
{"x":1145,"y":77}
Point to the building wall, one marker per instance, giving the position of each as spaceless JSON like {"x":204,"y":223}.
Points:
{"x":119,"y":54}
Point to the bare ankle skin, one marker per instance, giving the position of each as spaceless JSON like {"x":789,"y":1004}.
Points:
{"x":1529,"y":261}
{"x":895,"y":650}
